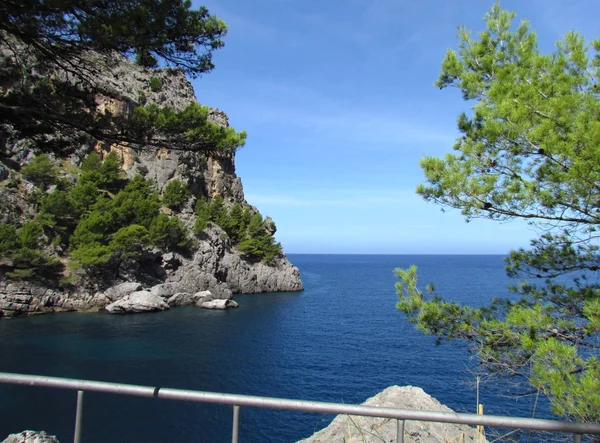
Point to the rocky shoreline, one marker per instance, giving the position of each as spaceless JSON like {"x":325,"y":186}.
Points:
{"x":195,"y":284}
{"x":209,"y":279}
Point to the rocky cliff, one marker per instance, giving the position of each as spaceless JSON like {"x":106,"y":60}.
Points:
{"x":213,"y":264}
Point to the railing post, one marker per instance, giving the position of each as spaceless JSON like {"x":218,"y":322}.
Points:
{"x":78,"y":417}
{"x":236,"y":424}
{"x":577,"y":438}
{"x":399,"y":431}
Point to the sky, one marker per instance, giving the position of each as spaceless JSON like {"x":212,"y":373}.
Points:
{"x":339,"y":103}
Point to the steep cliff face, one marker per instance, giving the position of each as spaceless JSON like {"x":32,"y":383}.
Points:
{"x":213,"y":264}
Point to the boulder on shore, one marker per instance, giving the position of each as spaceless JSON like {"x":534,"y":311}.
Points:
{"x":354,"y":429}
{"x":30,"y":437}
{"x":139,"y":301}
{"x":219,"y":303}
{"x":186,"y":299}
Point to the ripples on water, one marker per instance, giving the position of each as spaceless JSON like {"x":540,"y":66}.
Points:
{"x":340,"y":340}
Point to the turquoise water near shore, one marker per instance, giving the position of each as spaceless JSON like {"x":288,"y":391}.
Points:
{"x":340,"y":340}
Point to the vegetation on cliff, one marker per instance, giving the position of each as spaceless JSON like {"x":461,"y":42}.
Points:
{"x":52,"y":54}
{"x":105,"y":225}
{"x":529,"y":150}
{"x":60,"y":94}
{"x":245,"y":227}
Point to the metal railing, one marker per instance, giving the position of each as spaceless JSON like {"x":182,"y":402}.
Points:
{"x":236,"y":400}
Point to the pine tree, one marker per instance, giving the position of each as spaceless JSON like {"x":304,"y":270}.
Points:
{"x":529,"y":150}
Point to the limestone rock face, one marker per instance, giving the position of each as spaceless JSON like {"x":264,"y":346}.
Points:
{"x":117,"y":292}
{"x":139,"y":301}
{"x":250,"y":278}
{"x":26,"y":298}
{"x":213,"y":265}
{"x":30,"y":437}
{"x":371,"y":430}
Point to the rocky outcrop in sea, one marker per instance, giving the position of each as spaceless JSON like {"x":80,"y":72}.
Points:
{"x":30,"y":437}
{"x":352,"y":429}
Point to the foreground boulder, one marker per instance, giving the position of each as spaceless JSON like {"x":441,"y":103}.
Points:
{"x":353,"y":429}
{"x":139,"y":301}
{"x":218,"y":303}
{"x":30,"y":437}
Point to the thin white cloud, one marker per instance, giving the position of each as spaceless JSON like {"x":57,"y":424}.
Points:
{"x":333,"y":199}
{"x":336,"y":120}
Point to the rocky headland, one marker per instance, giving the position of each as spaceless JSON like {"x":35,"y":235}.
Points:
{"x":207,"y":274}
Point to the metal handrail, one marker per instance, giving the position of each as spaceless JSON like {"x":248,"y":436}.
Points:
{"x":237,"y":400}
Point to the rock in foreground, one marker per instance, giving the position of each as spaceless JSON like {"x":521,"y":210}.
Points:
{"x":30,"y":437}
{"x":352,"y":429}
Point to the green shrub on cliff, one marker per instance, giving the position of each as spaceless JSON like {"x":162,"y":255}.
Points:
{"x":8,"y":238}
{"x":40,"y":171}
{"x":189,"y":129}
{"x":129,"y":243}
{"x":22,"y":249}
{"x":58,"y":205}
{"x":155,"y":84}
{"x":41,"y":38}
{"x":137,"y":203}
{"x":245,"y":228}
{"x":261,"y":247}
{"x":175,"y":195}
{"x":168,"y":234}
{"x":202,"y":211}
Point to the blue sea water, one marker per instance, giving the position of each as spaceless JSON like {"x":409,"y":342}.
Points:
{"x":340,"y":340}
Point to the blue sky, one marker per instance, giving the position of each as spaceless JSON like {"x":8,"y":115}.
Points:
{"x":338,"y":100}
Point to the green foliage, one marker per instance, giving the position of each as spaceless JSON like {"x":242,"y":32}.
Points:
{"x":110,"y":171}
{"x":256,"y":226}
{"x":42,"y":40}
{"x":262,"y":247}
{"x":102,"y":174}
{"x":167,"y":233}
{"x":175,"y":195}
{"x":245,"y":228}
{"x":30,"y":235}
{"x":8,"y":238}
{"x":83,"y":196}
{"x":167,"y":30}
{"x":137,"y":203}
{"x":129,"y":242}
{"x":528,"y":150}
{"x":189,"y":129}
{"x":155,"y":84}
{"x":40,"y":171}
{"x":235,"y":225}
{"x":92,"y":256}
{"x":257,"y":243}
{"x":91,"y":164}
{"x":22,"y":248}
{"x":58,"y":204}
{"x":202,"y":211}
{"x":96,"y":226}
{"x":218,"y":212}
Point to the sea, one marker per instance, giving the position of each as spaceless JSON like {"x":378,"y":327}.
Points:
{"x":340,"y":340}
